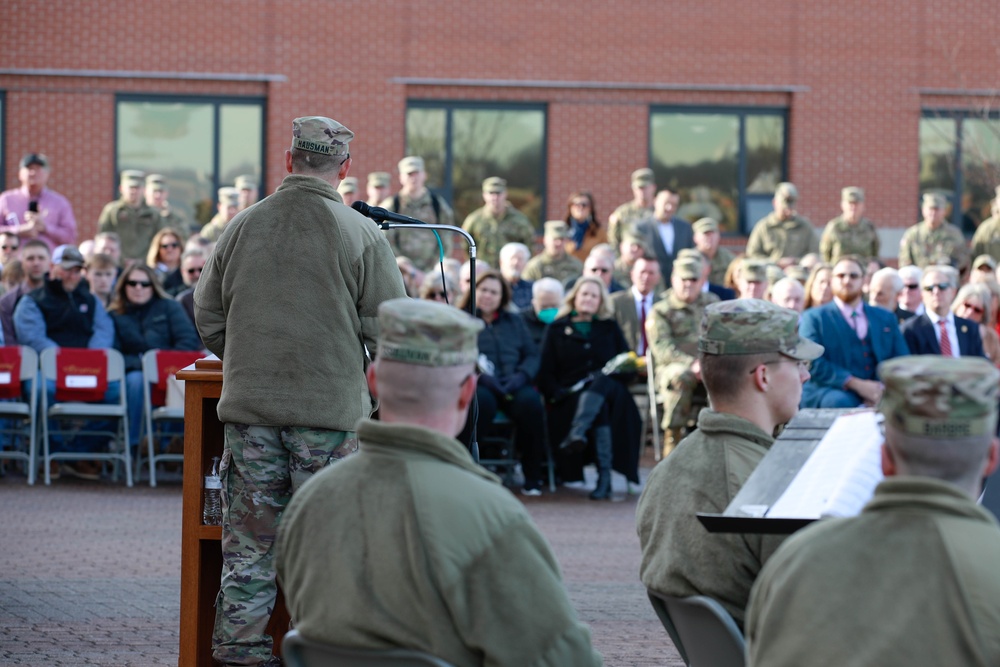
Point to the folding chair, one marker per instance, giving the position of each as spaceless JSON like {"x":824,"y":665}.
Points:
{"x":154,"y":414}
{"x":496,"y":447}
{"x":297,"y":651}
{"x":701,"y":629}
{"x":17,"y":417}
{"x":653,"y":416}
{"x":60,"y":412}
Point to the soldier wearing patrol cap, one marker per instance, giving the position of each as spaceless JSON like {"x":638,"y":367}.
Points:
{"x":229,"y":205}
{"x":917,"y":564}
{"x":706,"y":239}
{"x":377,"y":187}
{"x":348,"y":190}
{"x":554,"y":261}
{"x":750,"y":279}
{"x":157,"y":194}
{"x":247,"y":185}
{"x":753,"y":362}
{"x":497,"y":223}
{"x":405,"y":491}
{"x":850,"y":233}
{"x":293,"y":337}
{"x":637,"y":210}
{"x":672,"y":332}
{"x":632,"y":247}
{"x":416,"y":201}
{"x":135,"y":223}
{"x":986,"y":240}
{"x":934,"y":240}
{"x":782,"y":236}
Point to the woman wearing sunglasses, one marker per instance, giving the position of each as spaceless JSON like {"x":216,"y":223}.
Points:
{"x":145,"y":319}
{"x":974,"y":302}
{"x":164,"y":257}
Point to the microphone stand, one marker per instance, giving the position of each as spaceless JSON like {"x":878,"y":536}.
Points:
{"x":384,"y":225}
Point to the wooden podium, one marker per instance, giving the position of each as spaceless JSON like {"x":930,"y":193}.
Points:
{"x":201,"y":551}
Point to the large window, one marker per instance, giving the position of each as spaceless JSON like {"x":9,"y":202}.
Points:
{"x":724,"y":163}
{"x":960,"y":158}
{"x":463,"y":144}
{"x":198,"y":144}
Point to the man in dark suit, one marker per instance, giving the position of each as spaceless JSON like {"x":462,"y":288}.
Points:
{"x":633,"y":305}
{"x":938,"y":331}
{"x":857,"y":338}
{"x":666,"y":234}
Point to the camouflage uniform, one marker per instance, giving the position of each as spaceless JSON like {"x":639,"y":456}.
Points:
{"x":625,"y":217}
{"x":672,"y":332}
{"x":842,"y":238}
{"x":213,"y":230}
{"x":986,"y":240}
{"x":420,"y":246}
{"x":924,"y":246}
{"x":720,"y":264}
{"x":491,"y":233}
{"x":174,"y":220}
{"x":773,"y":239}
{"x":622,"y":273}
{"x":262,"y":466}
{"x":135,"y":226}
{"x":562,"y":269}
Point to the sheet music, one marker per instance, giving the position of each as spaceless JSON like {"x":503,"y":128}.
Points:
{"x":840,"y":475}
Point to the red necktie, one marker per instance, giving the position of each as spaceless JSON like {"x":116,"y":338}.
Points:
{"x":642,"y":326}
{"x":945,"y":341}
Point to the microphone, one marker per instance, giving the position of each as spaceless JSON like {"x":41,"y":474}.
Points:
{"x":379,"y":214}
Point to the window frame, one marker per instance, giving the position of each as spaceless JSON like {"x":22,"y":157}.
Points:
{"x":3,"y":139}
{"x":446,"y":190}
{"x":744,"y":226}
{"x":217,"y":101}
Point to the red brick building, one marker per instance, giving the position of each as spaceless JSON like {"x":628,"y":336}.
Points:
{"x":554,"y":96}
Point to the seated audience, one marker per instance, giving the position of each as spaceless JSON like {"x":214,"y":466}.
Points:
{"x":788,"y":293}
{"x":508,"y":363}
{"x":750,"y":279}
{"x":432,"y":290}
{"x":911,"y":580}
{"x":910,"y":299}
{"x":585,"y":227}
{"x":631,"y":248}
{"x":884,"y":290}
{"x":633,"y":306}
{"x":10,"y":247}
{"x":584,"y":401}
{"x":818,"y":290}
{"x":724,"y":293}
{"x":412,"y":276}
{"x":513,"y":258}
{"x":408,"y":543}
{"x":974,"y":302}
{"x":109,"y":243}
{"x":600,"y":264}
{"x":554,"y":261}
{"x":192,"y":264}
{"x":938,"y":331}
{"x":465,"y":275}
{"x":36,"y":261}
{"x":546,"y":297}
{"x":146,"y":318}
{"x":164,"y":257}
{"x":753,"y":363}
{"x":856,"y":337}
{"x":101,"y":273}
{"x":706,"y":240}
{"x":810,"y":260}
{"x":11,"y":276}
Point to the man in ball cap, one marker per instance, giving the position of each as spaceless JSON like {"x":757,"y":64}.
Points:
{"x":933,"y":240}
{"x":753,"y":363}
{"x":292,"y":336}
{"x":850,"y":233}
{"x":640,"y":208}
{"x":33,"y":210}
{"x":416,"y":201}
{"x":497,"y":223}
{"x":128,"y":216}
{"x":554,"y":261}
{"x":911,"y":580}
{"x":228,"y":206}
{"x":783,"y":236}
{"x":410,"y":524}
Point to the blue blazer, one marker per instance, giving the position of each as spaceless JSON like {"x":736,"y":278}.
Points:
{"x":922,"y":339}
{"x":826,"y":326}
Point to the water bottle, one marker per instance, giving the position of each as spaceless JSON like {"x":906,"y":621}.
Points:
{"x":211,"y":515}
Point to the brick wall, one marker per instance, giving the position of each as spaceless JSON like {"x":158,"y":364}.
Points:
{"x":860,"y":66}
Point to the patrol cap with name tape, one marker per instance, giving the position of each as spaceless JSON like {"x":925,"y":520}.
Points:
{"x":318,"y":134}
{"x":427,"y":333}
{"x":940,"y":397}
{"x":754,"y":326}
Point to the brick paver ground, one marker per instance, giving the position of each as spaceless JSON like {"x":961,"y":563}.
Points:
{"x":90,"y":573}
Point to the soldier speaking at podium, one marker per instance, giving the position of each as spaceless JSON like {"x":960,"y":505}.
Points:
{"x":289,"y":302}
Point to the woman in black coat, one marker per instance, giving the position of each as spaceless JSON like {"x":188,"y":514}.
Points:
{"x":508,"y":364}
{"x":583,"y":337}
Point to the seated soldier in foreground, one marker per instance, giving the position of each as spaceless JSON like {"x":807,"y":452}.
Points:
{"x":408,"y":543}
{"x":753,"y":364}
{"x":911,"y":580}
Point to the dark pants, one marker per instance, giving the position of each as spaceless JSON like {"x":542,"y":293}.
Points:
{"x":525,"y":411}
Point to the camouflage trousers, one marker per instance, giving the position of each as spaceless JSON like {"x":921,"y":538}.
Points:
{"x":261,"y":467}
{"x":676,"y":385}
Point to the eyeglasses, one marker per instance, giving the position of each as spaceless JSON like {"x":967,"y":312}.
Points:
{"x":138,"y":283}
{"x":10,"y":247}
{"x":193,"y":270}
{"x":978,"y":310}
{"x":170,"y":245}
{"x":940,"y":286}
{"x":911,"y":286}
{"x":599,"y":269}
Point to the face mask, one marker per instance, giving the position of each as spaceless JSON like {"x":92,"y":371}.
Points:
{"x":547,"y":315}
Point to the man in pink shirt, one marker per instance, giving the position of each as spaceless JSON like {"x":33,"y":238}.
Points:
{"x":34,"y":211}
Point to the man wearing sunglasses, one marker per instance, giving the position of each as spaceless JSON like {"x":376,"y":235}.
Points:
{"x":938,"y":330}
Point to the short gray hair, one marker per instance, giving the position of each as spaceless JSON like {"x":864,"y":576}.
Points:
{"x":911,"y":274}
{"x":512,"y":248}
{"x":946,"y":270}
{"x":890,"y":274}
{"x":547,"y":286}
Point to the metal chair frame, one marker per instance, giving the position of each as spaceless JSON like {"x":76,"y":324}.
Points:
{"x":153,"y":416}
{"x":17,"y":418}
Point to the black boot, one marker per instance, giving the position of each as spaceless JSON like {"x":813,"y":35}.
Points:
{"x":602,"y":443}
{"x":587,"y":409}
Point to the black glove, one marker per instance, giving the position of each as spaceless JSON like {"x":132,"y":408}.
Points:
{"x":512,"y":383}
{"x":490,"y":382}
